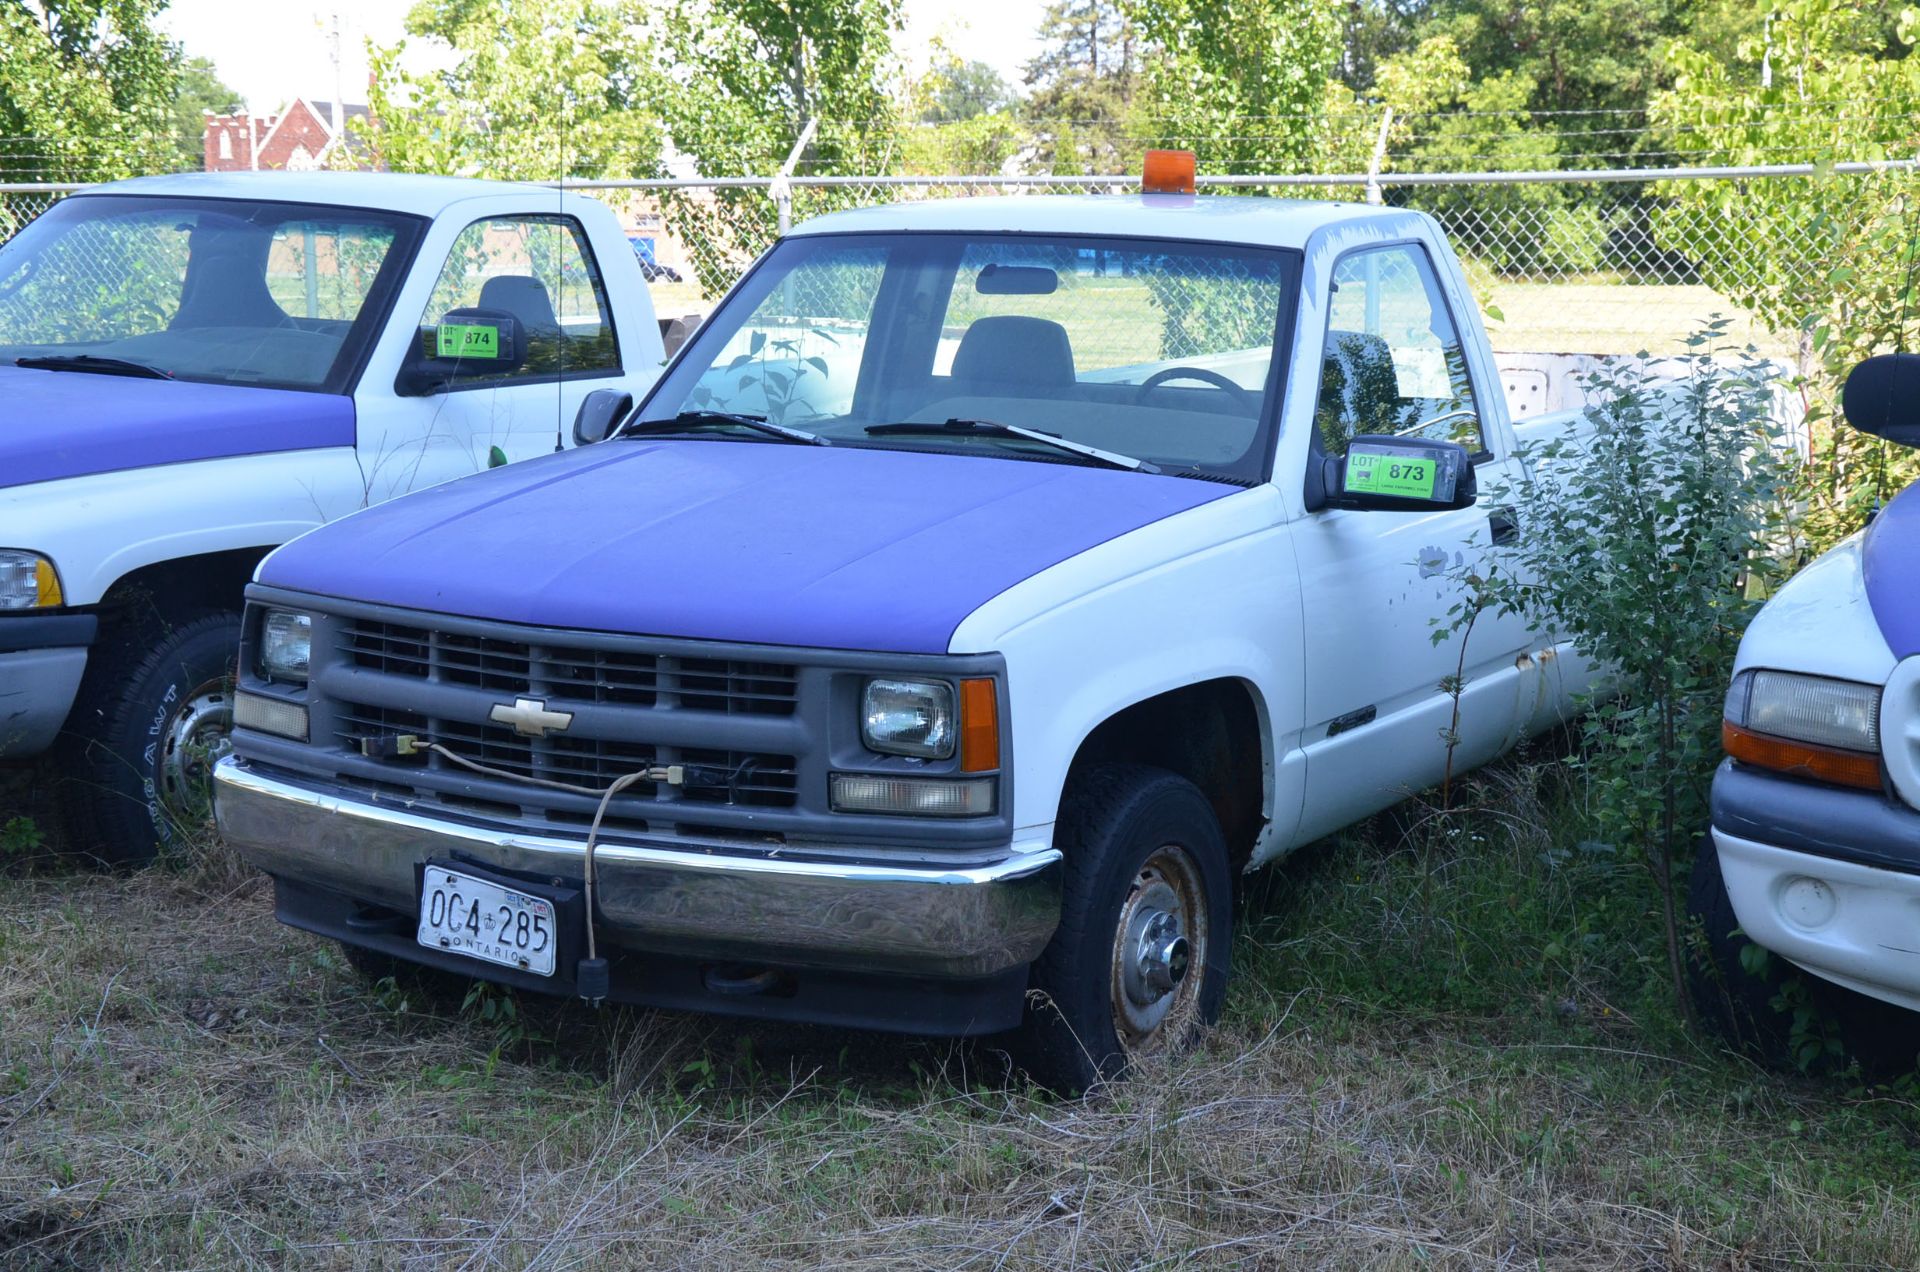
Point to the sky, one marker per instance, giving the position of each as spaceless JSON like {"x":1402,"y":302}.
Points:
{"x":275,"y":51}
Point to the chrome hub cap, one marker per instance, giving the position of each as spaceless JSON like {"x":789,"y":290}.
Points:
{"x":193,"y":739}
{"x":1159,"y":951}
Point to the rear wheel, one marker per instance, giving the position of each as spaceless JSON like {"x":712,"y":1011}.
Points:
{"x":1139,"y":962}
{"x":153,"y":717}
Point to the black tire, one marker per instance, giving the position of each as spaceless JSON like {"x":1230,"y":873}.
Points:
{"x":135,"y":762}
{"x":1128,"y":833}
{"x":442,"y":988}
{"x":1737,"y":1005}
{"x":1731,"y":1002}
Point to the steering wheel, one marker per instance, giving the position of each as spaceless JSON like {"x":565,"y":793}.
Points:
{"x":1241,"y":397}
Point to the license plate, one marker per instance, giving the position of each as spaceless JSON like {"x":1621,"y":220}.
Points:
{"x":464,"y":915}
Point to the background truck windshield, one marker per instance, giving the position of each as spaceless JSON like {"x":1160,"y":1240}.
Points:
{"x":218,"y":290}
{"x":1162,"y":351}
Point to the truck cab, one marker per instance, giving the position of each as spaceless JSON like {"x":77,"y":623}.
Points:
{"x":982,"y":587}
{"x":196,"y":369}
{"x":1815,"y":848}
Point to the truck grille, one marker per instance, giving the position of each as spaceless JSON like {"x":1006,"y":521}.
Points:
{"x":755,"y":780}
{"x":732,"y":724}
{"x":589,"y":675}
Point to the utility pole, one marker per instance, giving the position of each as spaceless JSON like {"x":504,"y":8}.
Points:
{"x":338,"y":121}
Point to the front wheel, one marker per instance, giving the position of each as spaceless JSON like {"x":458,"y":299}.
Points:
{"x":1139,"y":962}
{"x":1750,"y":998}
{"x":154,"y":715}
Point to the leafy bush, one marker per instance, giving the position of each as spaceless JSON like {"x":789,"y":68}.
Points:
{"x":1635,"y":545}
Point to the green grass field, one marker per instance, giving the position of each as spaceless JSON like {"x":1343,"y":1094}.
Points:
{"x":1447,"y":1046}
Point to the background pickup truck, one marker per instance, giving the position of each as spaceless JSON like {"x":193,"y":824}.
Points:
{"x":982,"y":587}
{"x":196,"y":369}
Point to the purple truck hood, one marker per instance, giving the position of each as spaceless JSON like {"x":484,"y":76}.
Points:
{"x":841,"y":548}
{"x":1890,"y":564}
{"x":56,"y":424}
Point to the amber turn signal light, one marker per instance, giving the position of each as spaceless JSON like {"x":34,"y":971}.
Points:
{"x":1168,"y":172}
{"x":979,"y":726}
{"x":1801,"y":759}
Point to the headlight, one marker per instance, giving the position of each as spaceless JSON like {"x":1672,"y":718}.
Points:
{"x":286,"y":644}
{"x":27,"y":581}
{"x":1806,"y":726}
{"x":908,"y":717}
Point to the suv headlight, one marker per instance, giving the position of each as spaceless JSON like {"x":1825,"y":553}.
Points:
{"x":908,"y":717}
{"x":27,"y":581}
{"x":286,"y":645}
{"x":1805,"y":726}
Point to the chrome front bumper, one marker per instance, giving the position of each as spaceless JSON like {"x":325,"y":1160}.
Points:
{"x":864,"y":916}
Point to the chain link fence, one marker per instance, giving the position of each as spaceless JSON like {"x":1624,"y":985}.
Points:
{"x":1610,"y":261}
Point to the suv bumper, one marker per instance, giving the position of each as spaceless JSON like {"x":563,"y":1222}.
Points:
{"x":1826,"y":878}
{"x":42,"y":658}
{"x":900,"y":920}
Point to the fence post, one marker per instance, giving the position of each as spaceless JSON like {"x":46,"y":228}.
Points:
{"x":782,"y":185}
{"x":1379,"y":157}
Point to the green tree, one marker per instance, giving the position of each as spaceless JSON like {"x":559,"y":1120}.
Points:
{"x":198,"y":93}
{"x":1082,"y":87}
{"x":1832,"y":257}
{"x":534,"y":92}
{"x":1243,"y":82}
{"x":954,"y":90}
{"x":90,"y":83}
{"x":1454,"y":121}
{"x":1581,"y":55}
{"x":749,"y":75}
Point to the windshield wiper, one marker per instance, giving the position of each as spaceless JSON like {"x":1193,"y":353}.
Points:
{"x":93,"y":362}
{"x":716,"y":419}
{"x":994,"y":428}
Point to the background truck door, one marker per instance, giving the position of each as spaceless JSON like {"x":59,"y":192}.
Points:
{"x":541,"y":268}
{"x":1373,"y":582}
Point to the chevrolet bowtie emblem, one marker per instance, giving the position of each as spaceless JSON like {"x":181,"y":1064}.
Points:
{"x":530,"y":717}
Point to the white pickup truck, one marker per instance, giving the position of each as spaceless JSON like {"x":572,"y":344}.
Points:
{"x":983,"y":587}
{"x":196,"y":369}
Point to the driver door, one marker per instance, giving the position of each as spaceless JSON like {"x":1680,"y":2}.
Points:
{"x":541,"y":268}
{"x":1376,"y":583}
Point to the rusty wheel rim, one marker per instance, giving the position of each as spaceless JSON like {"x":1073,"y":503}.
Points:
{"x":1159,"y":952}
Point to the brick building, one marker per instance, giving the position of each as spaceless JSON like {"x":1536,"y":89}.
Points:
{"x":302,"y":136}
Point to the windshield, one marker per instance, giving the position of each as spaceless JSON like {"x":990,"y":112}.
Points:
{"x":217,"y":290}
{"x":1155,"y":350}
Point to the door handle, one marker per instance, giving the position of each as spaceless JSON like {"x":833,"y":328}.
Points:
{"x":1505,"y":529}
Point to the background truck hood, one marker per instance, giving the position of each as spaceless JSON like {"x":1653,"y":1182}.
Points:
{"x":56,"y":424}
{"x":831,"y":547}
{"x":1890,"y":561}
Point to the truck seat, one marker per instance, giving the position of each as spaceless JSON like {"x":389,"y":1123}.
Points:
{"x":525,"y":297}
{"x":1011,"y":349}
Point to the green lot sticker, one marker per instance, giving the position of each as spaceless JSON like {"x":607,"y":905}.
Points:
{"x":457,"y":340}
{"x":1396,"y":476}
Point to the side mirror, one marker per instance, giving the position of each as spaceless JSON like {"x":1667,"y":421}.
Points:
{"x":1882,"y":397}
{"x":1403,"y":474}
{"x":467,"y":343}
{"x":601,"y":411}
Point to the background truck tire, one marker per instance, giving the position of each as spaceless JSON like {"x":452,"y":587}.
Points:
{"x":1738,"y":1006}
{"x":1145,"y":866}
{"x":153,"y":713}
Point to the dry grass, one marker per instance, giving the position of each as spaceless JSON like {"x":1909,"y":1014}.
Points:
{"x":183,"y":1083}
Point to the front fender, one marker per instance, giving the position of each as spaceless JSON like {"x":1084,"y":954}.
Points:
{"x":1211,"y":594}
{"x":99,"y":528}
